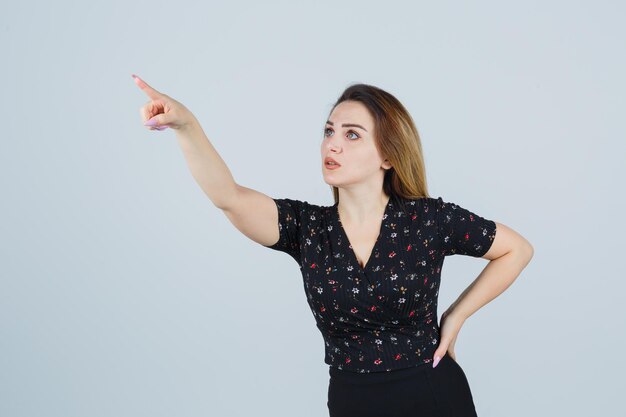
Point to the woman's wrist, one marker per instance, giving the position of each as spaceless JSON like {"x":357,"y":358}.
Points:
{"x":454,"y":313}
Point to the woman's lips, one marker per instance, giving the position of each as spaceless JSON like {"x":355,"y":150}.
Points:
{"x":330,"y":166}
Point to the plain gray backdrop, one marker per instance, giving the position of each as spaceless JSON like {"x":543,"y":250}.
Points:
{"x":125,"y":292}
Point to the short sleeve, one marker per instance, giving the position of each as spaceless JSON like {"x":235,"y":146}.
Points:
{"x":462,"y":232}
{"x":290,"y":215}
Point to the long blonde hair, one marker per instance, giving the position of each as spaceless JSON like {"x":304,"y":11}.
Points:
{"x":396,"y":138}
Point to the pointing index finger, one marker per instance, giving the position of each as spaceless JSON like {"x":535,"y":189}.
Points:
{"x":151,"y":92}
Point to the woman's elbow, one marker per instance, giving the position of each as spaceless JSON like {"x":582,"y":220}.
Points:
{"x":528,"y":249}
{"x":524,"y":251}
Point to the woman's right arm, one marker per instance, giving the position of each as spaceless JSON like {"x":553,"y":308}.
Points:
{"x":253,"y":213}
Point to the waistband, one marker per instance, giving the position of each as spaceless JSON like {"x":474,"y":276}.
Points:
{"x":349,"y":377}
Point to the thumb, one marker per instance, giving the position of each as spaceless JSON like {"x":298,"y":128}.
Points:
{"x":439,"y":353}
{"x":157,"y":121}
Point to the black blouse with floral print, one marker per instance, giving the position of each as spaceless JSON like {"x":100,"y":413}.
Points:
{"x":382,"y":316}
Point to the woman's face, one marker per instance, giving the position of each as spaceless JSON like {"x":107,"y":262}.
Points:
{"x":349,"y":140}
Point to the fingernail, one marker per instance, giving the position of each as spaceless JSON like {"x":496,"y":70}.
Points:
{"x":436,"y":361}
{"x":151,"y":122}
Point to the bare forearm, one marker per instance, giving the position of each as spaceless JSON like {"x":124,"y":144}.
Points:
{"x":496,"y":277}
{"x":207,"y":167}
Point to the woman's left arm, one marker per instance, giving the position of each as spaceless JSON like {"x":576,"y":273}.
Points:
{"x":508,"y":255}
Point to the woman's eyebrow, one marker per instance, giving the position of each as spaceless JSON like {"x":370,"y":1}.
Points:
{"x":347,"y":125}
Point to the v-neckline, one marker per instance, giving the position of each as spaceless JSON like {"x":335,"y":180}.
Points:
{"x":350,"y":248}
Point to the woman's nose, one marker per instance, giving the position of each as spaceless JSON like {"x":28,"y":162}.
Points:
{"x":331,"y":143}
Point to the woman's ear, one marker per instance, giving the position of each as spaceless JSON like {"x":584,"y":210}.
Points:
{"x":386,"y":164}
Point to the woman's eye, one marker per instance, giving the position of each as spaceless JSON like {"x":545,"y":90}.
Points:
{"x":328,"y":129}
{"x":354,"y":133}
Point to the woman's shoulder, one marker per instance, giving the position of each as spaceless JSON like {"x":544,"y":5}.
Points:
{"x":424,"y":203}
{"x":304,"y":208}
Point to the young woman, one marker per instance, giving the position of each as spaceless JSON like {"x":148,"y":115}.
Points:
{"x":371,"y":262}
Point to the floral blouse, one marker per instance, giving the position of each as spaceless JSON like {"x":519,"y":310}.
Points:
{"x":382,"y":316}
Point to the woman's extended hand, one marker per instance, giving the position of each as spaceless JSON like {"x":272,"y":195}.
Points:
{"x":163,"y":111}
{"x":449,"y":329}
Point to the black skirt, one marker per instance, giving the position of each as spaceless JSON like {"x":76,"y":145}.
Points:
{"x":418,"y":391}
